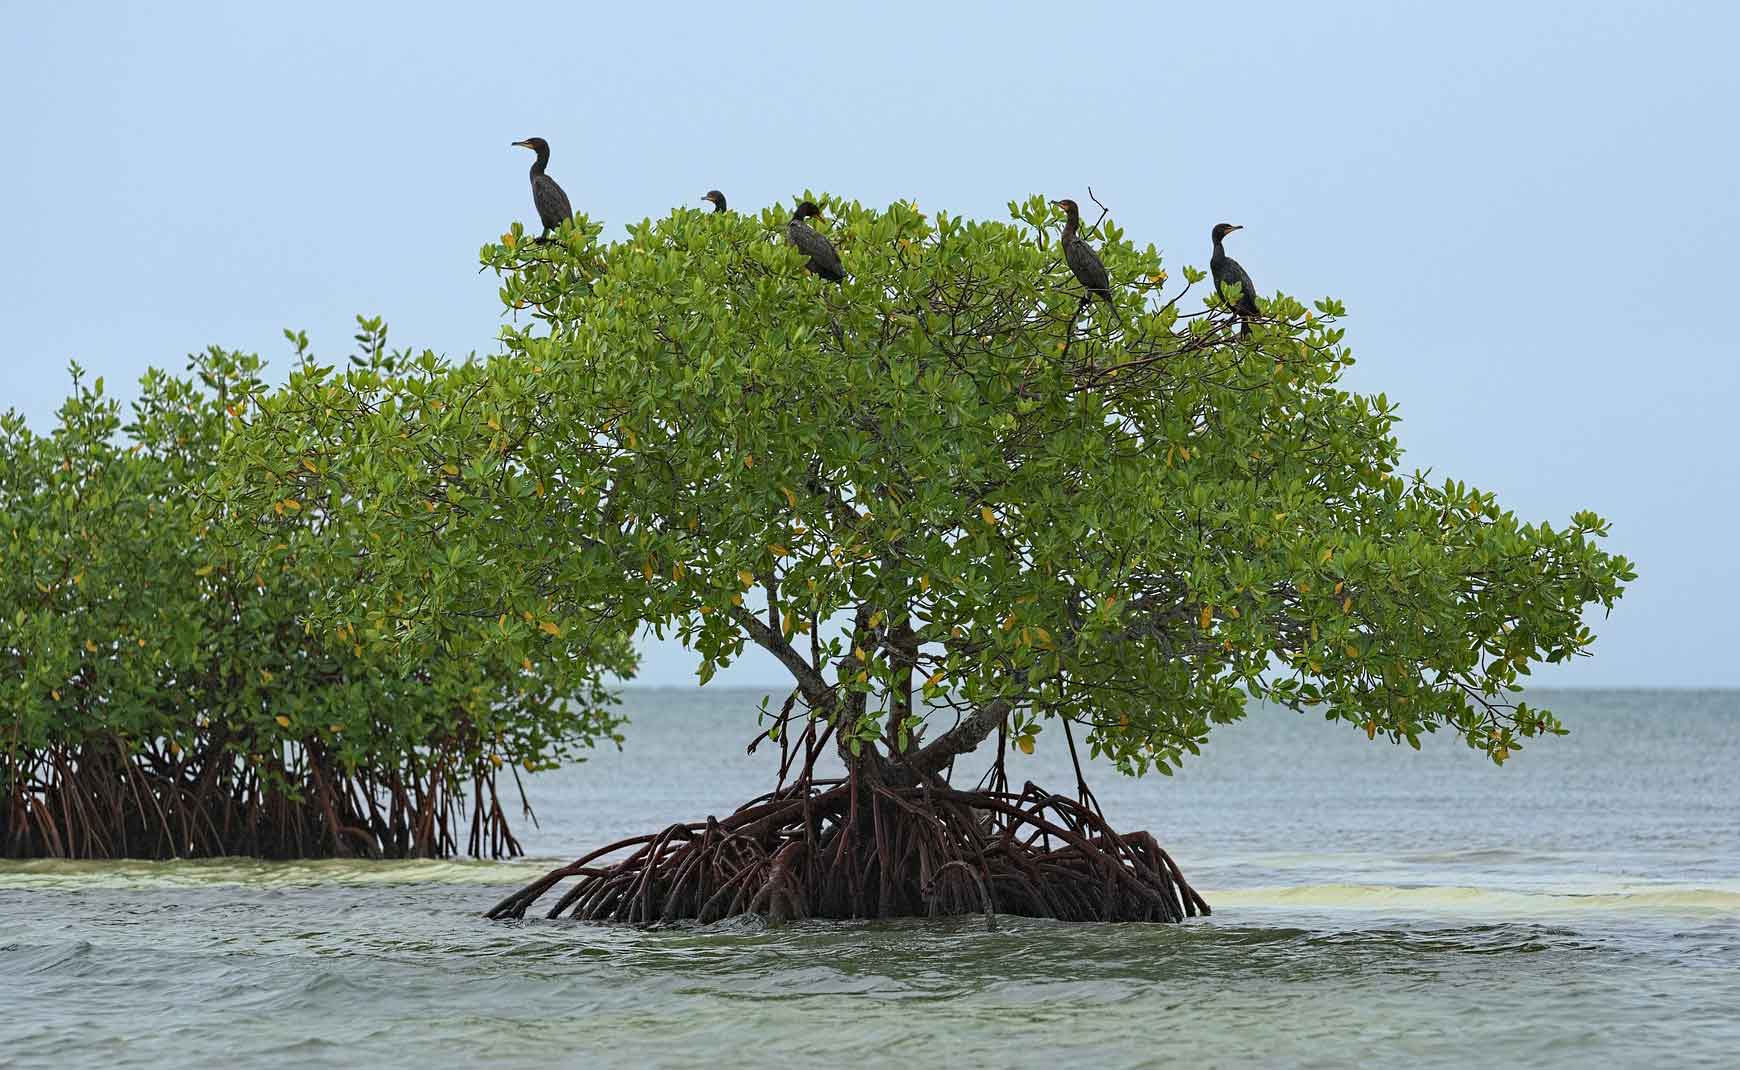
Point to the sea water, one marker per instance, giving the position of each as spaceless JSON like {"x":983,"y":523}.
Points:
{"x":1373,"y":906}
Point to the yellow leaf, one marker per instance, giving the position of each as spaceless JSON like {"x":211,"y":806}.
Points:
{"x":746,"y":578}
{"x":875,"y":618}
{"x":1347,"y":605}
{"x":283,"y":721}
{"x":550,"y":628}
{"x":1207,"y":616}
{"x":265,"y":677}
{"x":858,"y":651}
{"x":90,"y":647}
{"x":292,"y":504}
{"x":495,"y":759}
{"x":450,"y":469}
{"x":54,"y":695}
{"x":777,"y":550}
{"x":749,"y":460}
{"x":1371,"y":730}
{"x":861,"y":677}
{"x":1339,"y":586}
{"x":988,"y":515}
{"x":494,"y":424}
{"x":737,"y":599}
{"x":924,"y":583}
{"x":308,"y":464}
{"x":790,"y":498}
{"x":1327,"y":554}
{"x":646,"y":569}
{"x":510,"y":241}
{"x":356,"y":650}
{"x":1352,"y":652}
{"x":335,"y":729}
{"x":40,"y":587}
{"x":935,"y":678}
{"x":203,"y":570}
{"x":540,"y":488}
{"x":1025,"y":743}
{"x":677,"y":571}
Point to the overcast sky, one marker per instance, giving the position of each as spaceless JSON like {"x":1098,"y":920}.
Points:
{"x":1529,"y":209}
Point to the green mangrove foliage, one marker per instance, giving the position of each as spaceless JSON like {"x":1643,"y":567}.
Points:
{"x":165,"y":695}
{"x":944,"y":485}
{"x":955,"y":502}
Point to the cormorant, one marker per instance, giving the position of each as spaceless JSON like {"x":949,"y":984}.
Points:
{"x":1081,"y":256}
{"x":1227,"y":272}
{"x":823,"y":260}
{"x":551,"y":202}
{"x":716,"y":198}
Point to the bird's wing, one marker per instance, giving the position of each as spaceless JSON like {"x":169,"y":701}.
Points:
{"x":1247,"y":288}
{"x":1087,"y":266}
{"x":1229,"y":272}
{"x":823,"y":258}
{"x":552,"y":203}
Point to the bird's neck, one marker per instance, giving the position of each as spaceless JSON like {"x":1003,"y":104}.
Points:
{"x":1218,"y":251}
{"x":540,"y":163}
{"x":1069,"y":226}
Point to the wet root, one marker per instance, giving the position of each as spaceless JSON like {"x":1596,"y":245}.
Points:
{"x":838,"y":850}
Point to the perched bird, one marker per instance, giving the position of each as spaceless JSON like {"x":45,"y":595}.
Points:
{"x":1081,"y":256}
{"x":717,"y":199}
{"x":824,"y":261}
{"x":551,"y":202}
{"x":1227,"y":272}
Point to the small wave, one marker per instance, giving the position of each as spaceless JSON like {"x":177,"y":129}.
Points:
{"x":1665,"y":900}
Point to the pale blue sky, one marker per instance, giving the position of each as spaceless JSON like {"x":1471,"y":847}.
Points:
{"x":1529,"y":209}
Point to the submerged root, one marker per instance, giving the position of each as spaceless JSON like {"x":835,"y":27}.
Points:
{"x":832,"y":851}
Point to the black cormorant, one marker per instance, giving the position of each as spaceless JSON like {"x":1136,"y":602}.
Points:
{"x":551,"y":202}
{"x":716,"y":199}
{"x":1227,"y":272}
{"x":823,"y":260}
{"x":1081,"y":256}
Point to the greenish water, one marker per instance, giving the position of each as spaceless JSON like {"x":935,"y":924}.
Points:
{"x":1373,"y":906}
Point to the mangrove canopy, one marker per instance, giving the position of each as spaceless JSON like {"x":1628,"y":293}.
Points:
{"x":959,"y":506}
{"x":164,"y":694}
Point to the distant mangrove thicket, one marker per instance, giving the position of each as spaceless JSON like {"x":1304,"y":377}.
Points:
{"x":163,"y":692}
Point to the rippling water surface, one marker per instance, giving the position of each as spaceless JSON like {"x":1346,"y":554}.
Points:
{"x":1373,"y":905}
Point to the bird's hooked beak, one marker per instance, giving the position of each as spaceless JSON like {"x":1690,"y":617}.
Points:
{"x":1234,"y":226}
{"x":523,"y":144}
